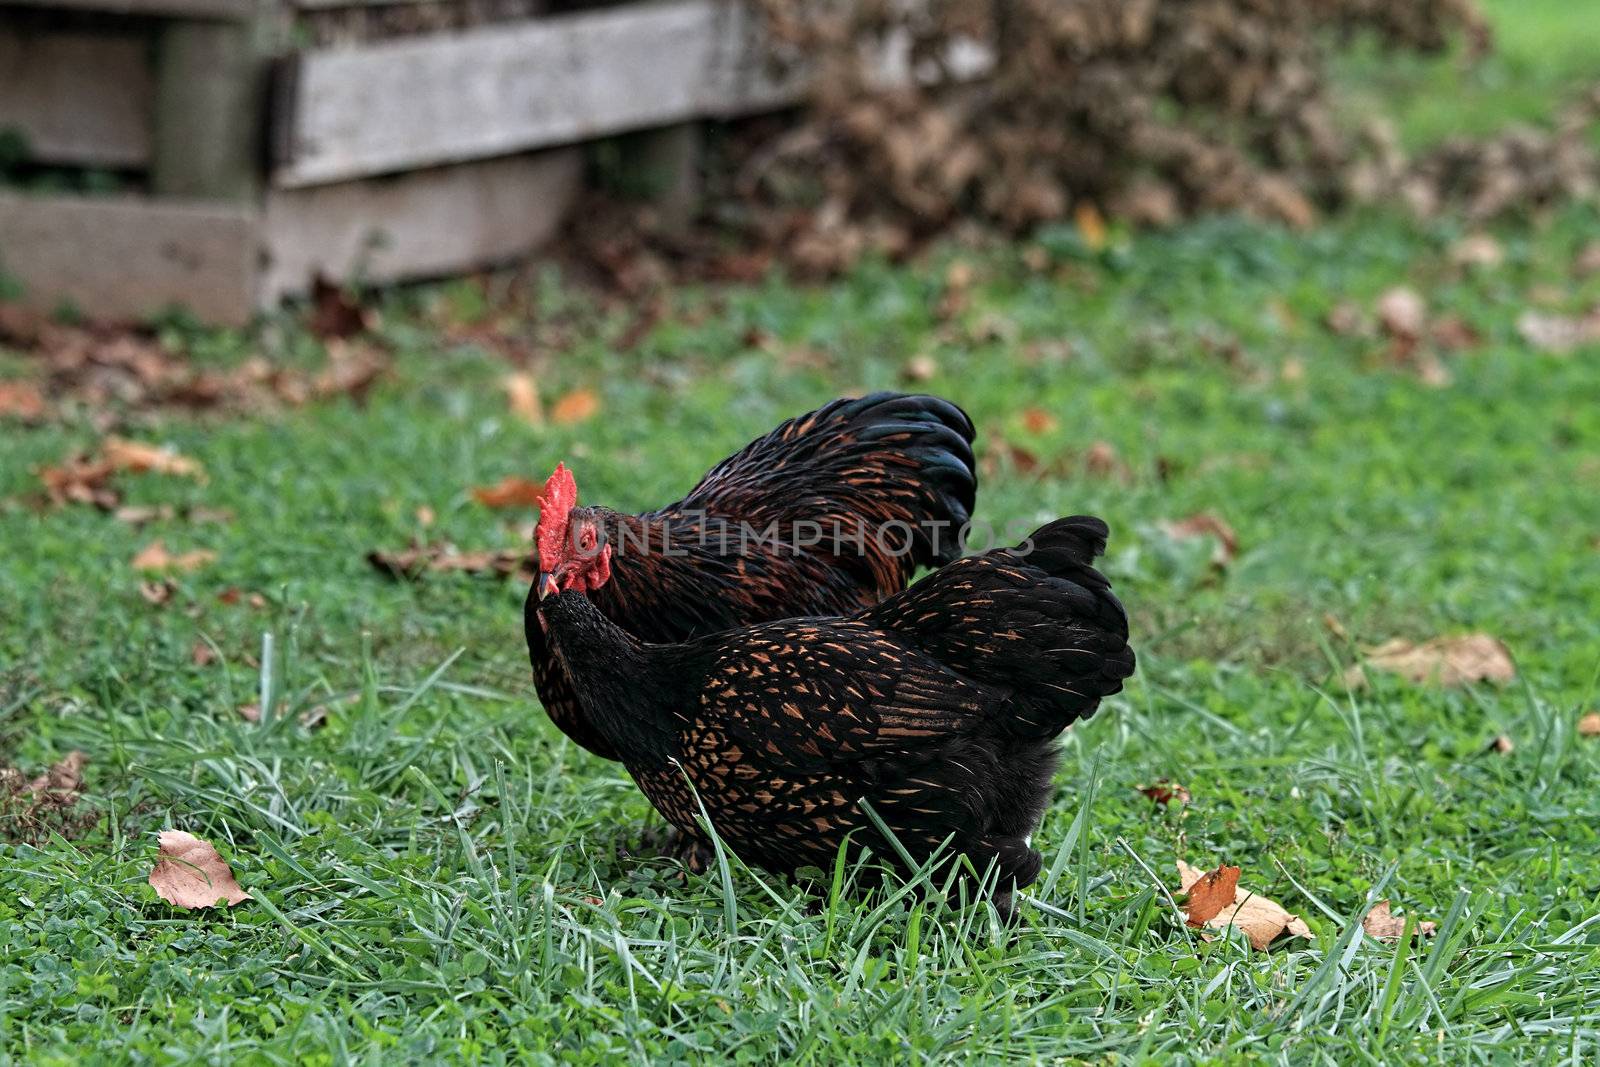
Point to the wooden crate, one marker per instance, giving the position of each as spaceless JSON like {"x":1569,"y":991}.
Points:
{"x":387,"y":160}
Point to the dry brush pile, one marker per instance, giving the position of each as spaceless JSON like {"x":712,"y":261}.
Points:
{"x":1151,"y":110}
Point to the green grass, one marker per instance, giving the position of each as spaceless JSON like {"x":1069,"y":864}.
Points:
{"x":436,"y":872}
{"x":1544,"y":53}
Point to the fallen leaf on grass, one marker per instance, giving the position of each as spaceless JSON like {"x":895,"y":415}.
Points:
{"x":1587,"y":261}
{"x":33,"y":809}
{"x":1101,"y":461}
{"x":576,"y":406}
{"x":1477,"y":250}
{"x":1210,"y":893}
{"x":918,"y":369}
{"x":1163,"y":792}
{"x":201,"y":654}
{"x":1402,"y":313}
{"x":87,"y":480}
{"x":335,"y":312}
{"x":1445,"y":661}
{"x":414,"y":561}
{"x":140,"y":457}
{"x":1589,"y":725}
{"x":1038,"y":421}
{"x":190,"y":874}
{"x":62,"y":782}
{"x":1261,"y":920}
{"x":1091,"y":225}
{"x":1453,"y":334}
{"x":1206,"y":524}
{"x":1379,"y":924}
{"x":21,"y":400}
{"x":510,"y":492}
{"x":155,"y":557}
{"x":250,"y":712}
{"x":139,"y":515}
{"x":1346,"y":319}
{"x":522,"y":396}
{"x":157,"y":593}
{"x":1559,"y":334}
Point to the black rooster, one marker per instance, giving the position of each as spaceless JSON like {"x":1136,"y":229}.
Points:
{"x":828,"y":513}
{"x":939,"y":707}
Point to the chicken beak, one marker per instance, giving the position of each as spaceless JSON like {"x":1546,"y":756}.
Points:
{"x":547,"y":584}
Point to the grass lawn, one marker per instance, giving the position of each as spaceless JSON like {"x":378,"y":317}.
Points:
{"x":436,"y":870}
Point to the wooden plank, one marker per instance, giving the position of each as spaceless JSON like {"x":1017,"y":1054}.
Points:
{"x":423,"y":224}
{"x":411,"y":102}
{"x":77,"y":98}
{"x":210,"y":107}
{"x":129,"y":257}
{"x":196,"y":9}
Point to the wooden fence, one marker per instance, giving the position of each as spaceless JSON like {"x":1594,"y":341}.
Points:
{"x":261,"y":164}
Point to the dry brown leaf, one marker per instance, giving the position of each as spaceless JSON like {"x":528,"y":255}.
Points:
{"x":335,"y":313}
{"x":1454,"y":334}
{"x":139,"y":515}
{"x":1431,"y":370}
{"x":81,"y":481}
{"x":250,"y":712}
{"x":1210,"y":893}
{"x":412,"y":562}
{"x":919,"y":368}
{"x":201,"y":654}
{"x":1587,"y":262}
{"x":1003,"y":454}
{"x":1559,"y":334}
{"x":1402,"y":313}
{"x":140,"y":457}
{"x":522,"y":395}
{"x":510,"y":492}
{"x":1038,"y":420}
{"x":1102,"y":461}
{"x":1589,"y":725}
{"x":62,"y":783}
{"x":1445,"y":661}
{"x":1091,"y":225}
{"x":21,"y":400}
{"x":576,"y":406}
{"x":1206,"y":524}
{"x":1263,"y":921}
{"x":190,"y":874}
{"x":155,"y":557}
{"x":1346,"y":319}
{"x":157,"y":593}
{"x":1163,"y":792}
{"x":958,"y":275}
{"x":1380,"y":924}
{"x":1477,"y":250}
{"x":353,"y":368}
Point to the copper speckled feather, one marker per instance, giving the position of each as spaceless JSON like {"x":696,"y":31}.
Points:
{"x":939,"y":707}
{"x":852,"y":467}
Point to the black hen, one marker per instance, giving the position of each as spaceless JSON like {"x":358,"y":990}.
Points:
{"x":828,"y":513}
{"x":939,"y":707}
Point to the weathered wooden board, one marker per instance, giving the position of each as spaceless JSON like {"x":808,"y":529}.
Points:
{"x":422,"y":224}
{"x":77,"y":98}
{"x":198,"y":9}
{"x":127,"y":257}
{"x":394,"y":105}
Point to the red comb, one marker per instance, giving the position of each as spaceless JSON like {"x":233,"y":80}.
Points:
{"x":557,"y":500}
